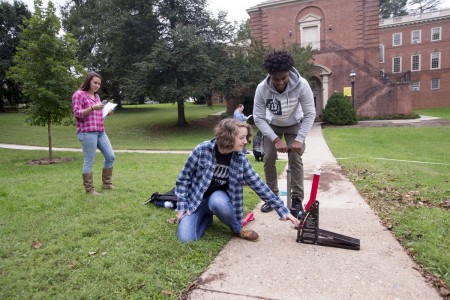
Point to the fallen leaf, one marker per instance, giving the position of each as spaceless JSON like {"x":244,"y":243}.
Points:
{"x":36,"y":244}
{"x":444,"y":292}
{"x":74,"y":264}
{"x":91,"y":253}
{"x":172,"y":220}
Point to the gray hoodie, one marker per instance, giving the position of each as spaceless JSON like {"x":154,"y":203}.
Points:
{"x":295,"y":104}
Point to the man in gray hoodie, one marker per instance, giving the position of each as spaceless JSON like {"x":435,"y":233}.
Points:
{"x":284,"y":106}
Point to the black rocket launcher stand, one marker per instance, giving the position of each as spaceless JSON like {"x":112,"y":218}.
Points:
{"x":309,"y":231}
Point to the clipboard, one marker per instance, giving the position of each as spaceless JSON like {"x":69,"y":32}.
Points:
{"x":108,"y":106}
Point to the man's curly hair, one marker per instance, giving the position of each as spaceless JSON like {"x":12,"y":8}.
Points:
{"x":278,"y":61}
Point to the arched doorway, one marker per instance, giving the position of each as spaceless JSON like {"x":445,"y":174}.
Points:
{"x":316,"y":87}
{"x":320,"y":88}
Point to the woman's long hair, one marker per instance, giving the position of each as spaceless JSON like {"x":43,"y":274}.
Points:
{"x":87,"y":81}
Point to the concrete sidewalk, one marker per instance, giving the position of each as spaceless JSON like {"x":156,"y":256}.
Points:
{"x":277,"y":267}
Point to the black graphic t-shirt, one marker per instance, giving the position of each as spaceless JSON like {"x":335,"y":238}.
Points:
{"x":221,"y":173}
{"x":274,"y":106}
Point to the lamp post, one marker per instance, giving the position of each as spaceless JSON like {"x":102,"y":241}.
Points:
{"x":352,"y":80}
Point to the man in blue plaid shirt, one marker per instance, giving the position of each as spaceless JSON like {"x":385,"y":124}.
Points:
{"x":211,"y":183}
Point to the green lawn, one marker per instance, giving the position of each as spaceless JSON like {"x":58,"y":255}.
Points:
{"x":150,"y":126}
{"x":403,"y":173}
{"x":435,"y":112}
{"x":58,"y":242}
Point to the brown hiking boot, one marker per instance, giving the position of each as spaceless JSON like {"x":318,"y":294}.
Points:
{"x":248,"y":234}
{"x":107,"y":179}
{"x":88,"y":185}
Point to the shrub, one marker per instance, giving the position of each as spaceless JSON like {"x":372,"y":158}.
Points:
{"x":339,"y":111}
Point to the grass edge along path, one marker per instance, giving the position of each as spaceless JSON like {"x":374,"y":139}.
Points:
{"x":411,"y":197}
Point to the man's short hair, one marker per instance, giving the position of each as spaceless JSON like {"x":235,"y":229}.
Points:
{"x":278,"y":61}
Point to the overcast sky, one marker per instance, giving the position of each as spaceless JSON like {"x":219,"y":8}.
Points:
{"x":235,"y":8}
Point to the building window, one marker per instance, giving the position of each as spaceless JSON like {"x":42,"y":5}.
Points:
{"x":416,"y":36}
{"x":436,"y":34}
{"x":381,"y":49}
{"x":435,"y":84}
{"x":397,"y":39}
{"x":310,"y":31}
{"x":310,"y":37}
{"x":415,"y":86}
{"x":435,"y":60}
{"x":381,"y":73}
{"x":396,"y":64}
{"x":415,"y":62}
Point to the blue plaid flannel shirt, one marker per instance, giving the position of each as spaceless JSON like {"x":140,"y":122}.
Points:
{"x":196,"y":175}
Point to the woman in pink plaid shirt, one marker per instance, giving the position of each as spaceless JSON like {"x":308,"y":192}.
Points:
{"x":87,"y":109}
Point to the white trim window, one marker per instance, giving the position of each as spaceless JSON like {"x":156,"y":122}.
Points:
{"x":436,"y":34}
{"x":416,"y":36}
{"x":381,"y":50}
{"x":397,"y":39}
{"x":435,"y":60}
{"x":415,"y":62}
{"x":415,"y":86}
{"x":310,"y":31}
{"x":435,"y":84}
{"x":397,"y":64}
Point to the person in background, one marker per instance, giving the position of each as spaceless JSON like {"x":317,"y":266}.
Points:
{"x":284,"y":106}
{"x":211,"y":183}
{"x":238,"y":113}
{"x":87,"y":109}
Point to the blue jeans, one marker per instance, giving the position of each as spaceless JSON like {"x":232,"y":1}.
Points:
{"x":90,"y":141}
{"x":192,"y":227}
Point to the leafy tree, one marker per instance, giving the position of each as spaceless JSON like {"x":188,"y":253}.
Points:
{"x":113,"y":35}
{"x":186,"y":60}
{"x":11,"y":18}
{"x":303,"y":59}
{"x":422,"y":6}
{"x":244,"y":31}
{"x":46,"y":67}
{"x":393,"y":8}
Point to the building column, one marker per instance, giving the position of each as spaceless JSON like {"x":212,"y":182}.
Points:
{"x":325,"y":94}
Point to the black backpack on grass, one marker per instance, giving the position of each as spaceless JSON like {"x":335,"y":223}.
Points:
{"x":167,"y":200}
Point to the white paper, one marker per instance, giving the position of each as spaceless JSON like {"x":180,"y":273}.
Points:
{"x":107,"y":108}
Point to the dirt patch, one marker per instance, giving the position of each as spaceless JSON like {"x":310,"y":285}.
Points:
{"x":46,"y":161}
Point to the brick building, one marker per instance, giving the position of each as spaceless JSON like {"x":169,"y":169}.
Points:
{"x":420,"y":44}
{"x":345,"y":35}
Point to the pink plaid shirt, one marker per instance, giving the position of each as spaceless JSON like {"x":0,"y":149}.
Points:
{"x":94,"y":120}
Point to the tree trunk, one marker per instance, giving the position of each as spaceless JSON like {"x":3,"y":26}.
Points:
{"x":2,"y":107}
{"x":181,"y":117}
{"x":116,"y":95}
{"x":49,"y":126}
